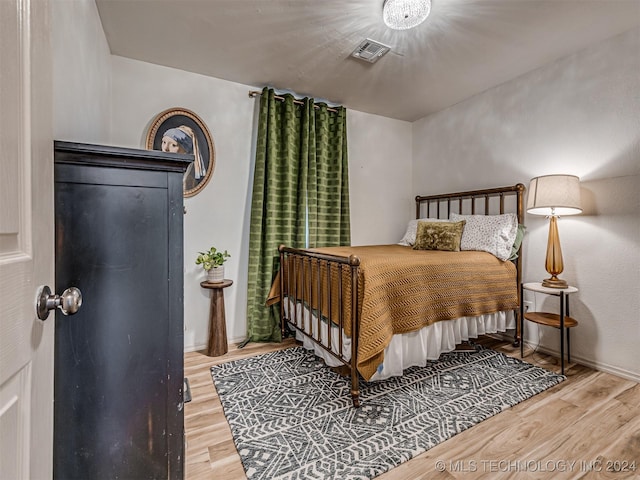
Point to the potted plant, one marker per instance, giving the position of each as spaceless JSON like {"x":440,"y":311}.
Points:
{"x":213,"y":263}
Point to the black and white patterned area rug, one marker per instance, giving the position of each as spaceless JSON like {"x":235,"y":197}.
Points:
{"x":292,"y":417}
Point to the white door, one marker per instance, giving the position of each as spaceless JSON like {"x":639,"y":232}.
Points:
{"x":26,"y":239}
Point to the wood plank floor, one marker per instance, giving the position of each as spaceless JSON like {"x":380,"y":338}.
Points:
{"x":586,"y":427}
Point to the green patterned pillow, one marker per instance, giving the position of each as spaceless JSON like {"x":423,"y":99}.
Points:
{"x":515,"y":249}
{"x":439,"y":236}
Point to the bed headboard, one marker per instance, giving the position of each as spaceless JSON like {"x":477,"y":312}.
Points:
{"x":477,"y":202}
{"x":456,"y":202}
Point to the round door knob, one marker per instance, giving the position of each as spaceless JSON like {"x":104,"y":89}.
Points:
{"x":69,"y":302}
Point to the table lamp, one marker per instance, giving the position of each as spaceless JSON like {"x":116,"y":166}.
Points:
{"x":554,"y":196}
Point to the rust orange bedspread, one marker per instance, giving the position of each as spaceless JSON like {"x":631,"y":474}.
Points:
{"x":402,"y":290}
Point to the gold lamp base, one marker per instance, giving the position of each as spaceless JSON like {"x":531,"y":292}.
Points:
{"x":554,"y":282}
{"x":554,"y":264}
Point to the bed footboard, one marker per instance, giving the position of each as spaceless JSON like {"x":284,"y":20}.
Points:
{"x":310,"y":284}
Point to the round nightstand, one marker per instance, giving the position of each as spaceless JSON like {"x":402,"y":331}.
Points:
{"x":561,"y":321}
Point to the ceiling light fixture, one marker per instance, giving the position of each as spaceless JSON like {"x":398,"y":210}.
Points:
{"x":405,"y":14}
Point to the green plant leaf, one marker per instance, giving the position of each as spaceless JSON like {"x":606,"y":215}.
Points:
{"x":212,"y":258}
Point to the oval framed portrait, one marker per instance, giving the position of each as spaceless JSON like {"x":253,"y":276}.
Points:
{"x":180,"y":130}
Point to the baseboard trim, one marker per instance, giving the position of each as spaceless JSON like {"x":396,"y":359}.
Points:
{"x":203,"y":346}
{"x":194,"y":348}
{"x":602,"y":367}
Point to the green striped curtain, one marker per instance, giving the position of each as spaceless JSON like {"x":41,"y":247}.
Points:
{"x":300,"y":194}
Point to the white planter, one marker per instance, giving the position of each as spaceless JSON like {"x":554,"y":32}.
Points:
{"x":215,"y":275}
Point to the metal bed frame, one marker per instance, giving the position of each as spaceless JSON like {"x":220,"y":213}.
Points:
{"x":315,"y":266}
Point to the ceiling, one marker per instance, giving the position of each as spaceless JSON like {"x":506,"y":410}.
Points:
{"x":304,"y":46}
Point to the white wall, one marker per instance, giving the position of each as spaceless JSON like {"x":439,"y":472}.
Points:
{"x":219,"y":214}
{"x":579,"y":115}
{"x":379,"y":178}
{"x":81,"y":73}
{"x":601,"y":249}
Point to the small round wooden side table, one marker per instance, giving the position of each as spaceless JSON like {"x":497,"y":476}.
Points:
{"x":217,"y":323}
{"x":561,"y":321}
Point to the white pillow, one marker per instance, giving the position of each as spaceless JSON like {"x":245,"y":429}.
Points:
{"x":488,"y":233}
{"x":412,"y":229}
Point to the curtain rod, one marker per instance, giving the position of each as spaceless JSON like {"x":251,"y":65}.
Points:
{"x":255,"y":93}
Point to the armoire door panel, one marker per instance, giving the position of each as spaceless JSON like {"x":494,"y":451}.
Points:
{"x":118,"y":361}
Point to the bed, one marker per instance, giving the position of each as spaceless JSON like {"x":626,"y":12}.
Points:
{"x":376,"y":310}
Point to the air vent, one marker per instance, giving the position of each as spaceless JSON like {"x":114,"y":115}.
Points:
{"x":370,"y":51}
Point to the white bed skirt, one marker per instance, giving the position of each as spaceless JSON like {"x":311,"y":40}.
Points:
{"x":407,"y":349}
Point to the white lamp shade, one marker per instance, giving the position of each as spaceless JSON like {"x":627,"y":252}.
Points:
{"x":405,"y":14}
{"x":554,"y":195}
